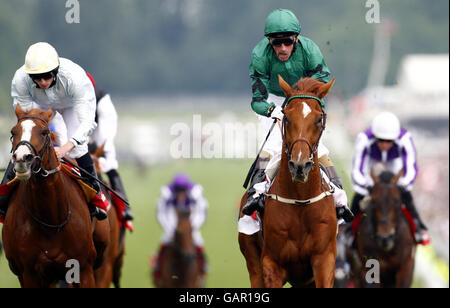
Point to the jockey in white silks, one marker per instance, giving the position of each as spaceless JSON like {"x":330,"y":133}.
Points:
{"x":104,"y":134}
{"x":47,"y":81}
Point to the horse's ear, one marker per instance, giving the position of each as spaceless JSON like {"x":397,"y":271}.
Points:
{"x":324,"y":89}
{"x":285,"y":86}
{"x":19,"y":111}
{"x":395,"y":179}
{"x":47,"y":115}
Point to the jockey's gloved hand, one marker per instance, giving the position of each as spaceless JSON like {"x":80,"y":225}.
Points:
{"x":277,"y":113}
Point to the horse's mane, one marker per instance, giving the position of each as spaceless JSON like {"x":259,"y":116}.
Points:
{"x":308,"y":85}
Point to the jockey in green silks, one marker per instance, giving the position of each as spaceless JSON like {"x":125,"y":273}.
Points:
{"x":285,"y":52}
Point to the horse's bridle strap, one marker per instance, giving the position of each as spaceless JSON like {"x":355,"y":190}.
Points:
{"x":301,"y":202}
{"x":301,"y":139}
{"x":321,"y":101}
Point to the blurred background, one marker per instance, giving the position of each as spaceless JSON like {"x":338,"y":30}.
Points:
{"x":164,"y":61}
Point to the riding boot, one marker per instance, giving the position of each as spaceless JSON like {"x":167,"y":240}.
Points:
{"x":117,"y":185}
{"x":421,"y":234}
{"x":343,"y":211}
{"x":355,"y":207}
{"x":99,"y":205}
{"x":4,"y":190}
{"x":255,"y":196}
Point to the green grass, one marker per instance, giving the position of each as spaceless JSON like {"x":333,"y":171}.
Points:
{"x":222,"y":181}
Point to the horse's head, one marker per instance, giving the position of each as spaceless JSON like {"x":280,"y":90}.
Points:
{"x":97,"y":157}
{"x":303,"y":124}
{"x":31,"y":142}
{"x":386,"y":207}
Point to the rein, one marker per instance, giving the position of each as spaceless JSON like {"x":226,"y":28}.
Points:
{"x":59,"y":226}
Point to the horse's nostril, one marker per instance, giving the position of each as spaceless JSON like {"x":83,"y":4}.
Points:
{"x":308,"y":166}
{"x":292,"y":166}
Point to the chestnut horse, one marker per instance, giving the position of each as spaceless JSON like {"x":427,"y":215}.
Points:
{"x":180,"y":268}
{"x":48,"y":221}
{"x":110,"y":270}
{"x":385,"y":236}
{"x":299,"y":223}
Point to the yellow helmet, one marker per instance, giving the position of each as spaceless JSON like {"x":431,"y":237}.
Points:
{"x":41,"y":58}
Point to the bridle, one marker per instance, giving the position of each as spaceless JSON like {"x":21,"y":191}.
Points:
{"x":38,"y":155}
{"x":313,"y":148}
{"x":37,"y":168}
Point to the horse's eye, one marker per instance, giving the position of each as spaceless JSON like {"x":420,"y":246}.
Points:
{"x":45,"y":133}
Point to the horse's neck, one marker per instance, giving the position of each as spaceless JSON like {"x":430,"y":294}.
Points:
{"x":47,"y":198}
{"x":286,"y":188}
{"x":183,"y":236}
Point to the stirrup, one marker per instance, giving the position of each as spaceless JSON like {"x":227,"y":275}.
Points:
{"x":127,"y":215}
{"x":257,"y":204}
{"x":100,"y":203}
{"x":99,"y":214}
{"x":345,"y":213}
{"x":250,"y":206}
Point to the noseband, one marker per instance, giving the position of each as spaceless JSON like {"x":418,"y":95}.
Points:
{"x":313,"y":149}
{"x":38,"y":156}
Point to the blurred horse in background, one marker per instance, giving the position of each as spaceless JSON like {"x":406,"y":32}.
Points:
{"x":384,"y":236}
{"x":110,"y":270}
{"x":180,"y":268}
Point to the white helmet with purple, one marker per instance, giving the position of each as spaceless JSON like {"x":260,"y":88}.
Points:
{"x":386,"y":126}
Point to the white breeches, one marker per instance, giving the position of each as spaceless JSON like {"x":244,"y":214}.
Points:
{"x":65,"y":123}
{"x":106,"y":132}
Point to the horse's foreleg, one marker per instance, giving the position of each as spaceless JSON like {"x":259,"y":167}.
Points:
{"x":324,"y":269}
{"x":404,"y":277}
{"x":273,"y":274}
{"x":101,"y":240}
{"x":252,"y":253}
{"x":87,"y":279}
{"x":31,"y":280}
